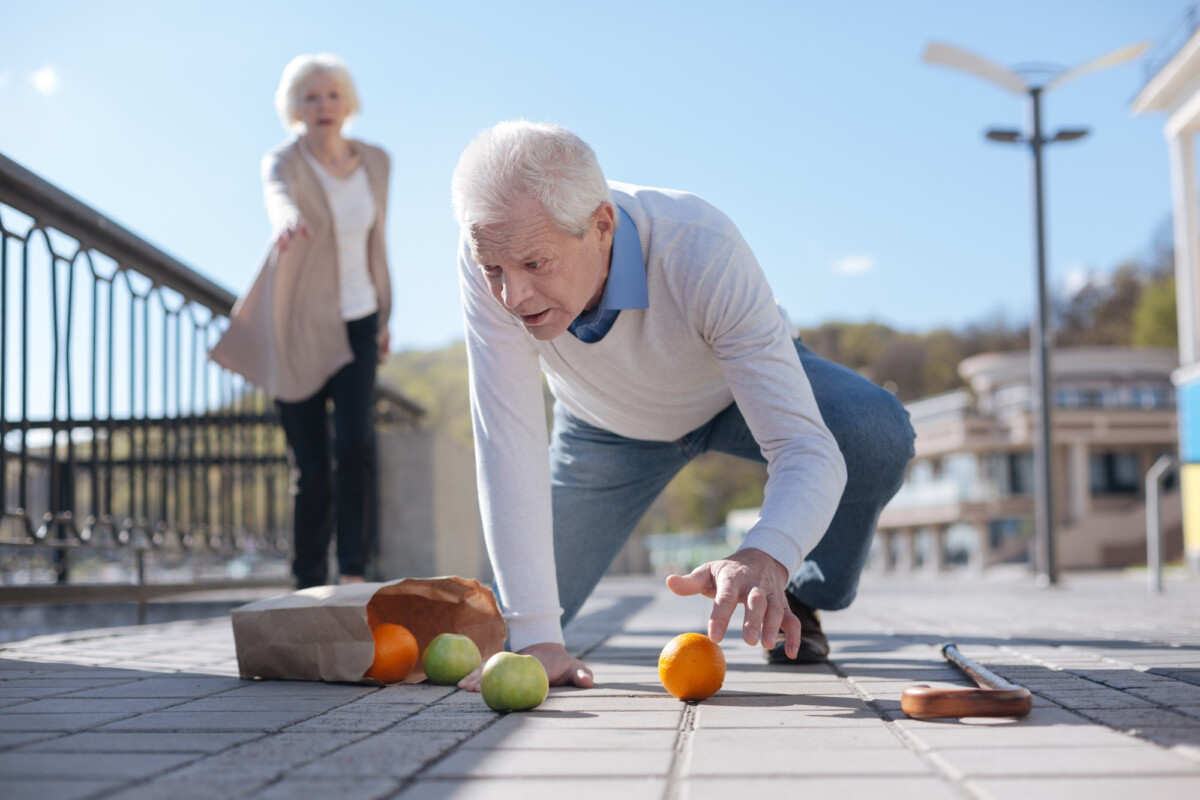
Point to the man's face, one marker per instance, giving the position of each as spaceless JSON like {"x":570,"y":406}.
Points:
{"x":540,"y":275}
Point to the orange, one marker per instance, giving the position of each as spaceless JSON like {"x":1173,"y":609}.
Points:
{"x":395,"y":653}
{"x":691,"y":666}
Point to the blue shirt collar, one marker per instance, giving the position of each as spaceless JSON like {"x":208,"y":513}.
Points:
{"x":625,"y":287}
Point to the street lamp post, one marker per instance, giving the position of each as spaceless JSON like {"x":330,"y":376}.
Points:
{"x":1040,"y":332}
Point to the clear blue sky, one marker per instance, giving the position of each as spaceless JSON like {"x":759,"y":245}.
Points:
{"x":814,"y":125}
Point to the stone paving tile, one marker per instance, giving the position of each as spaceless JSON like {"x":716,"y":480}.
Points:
{"x":1058,"y":762}
{"x":115,"y":705}
{"x":960,"y":734}
{"x":516,"y":737}
{"x":551,"y":763}
{"x":258,"y":688}
{"x":391,"y":754}
{"x":23,"y":738}
{"x":803,"y":762}
{"x":364,"y":721}
{"x":170,"y":721}
{"x":189,"y":687}
{"x":45,"y":789}
{"x":626,"y":720}
{"x":1037,"y":718}
{"x":1173,"y":694}
{"x":191,"y":786}
{"x":1093,"y":697}
{"x":594,"y":788}
{"x":342,"y":788}
{"x":83,"y":766}
{"x":857,"y":788}
{"x":405,"y":694}
{"x":565,"y":701}
{"x":117,"y":742}
{"x":1134,"y":718}
{"x":1145,"y":787}
{"x":310,"y":703}
{"x":432,"y":719}
{"x":54,"y":722}
{"x":709,"y":743}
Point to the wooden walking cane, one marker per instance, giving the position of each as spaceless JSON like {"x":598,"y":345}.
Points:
{"x":995,"y":696}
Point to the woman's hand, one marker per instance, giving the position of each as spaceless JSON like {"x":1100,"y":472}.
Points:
{"x":384,"y":340}
{"x":297,"y":227}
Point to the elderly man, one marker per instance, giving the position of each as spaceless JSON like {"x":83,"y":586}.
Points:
{"x":661,"y":340}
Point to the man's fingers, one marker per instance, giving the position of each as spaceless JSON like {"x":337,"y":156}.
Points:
{"x":757,"y":609}
{"x":472,"y":682}
{"x":773,"y":621}
{"x":582,"y":677}
{"x":698,"y":581}
{"x":791,"y":629}
{"x":724,"y":604}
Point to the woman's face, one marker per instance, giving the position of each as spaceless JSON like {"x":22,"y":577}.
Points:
{"x":323,"y":107}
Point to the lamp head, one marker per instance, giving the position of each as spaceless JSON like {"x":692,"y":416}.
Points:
{"x":1069,"y":134}
{"x":1006,"y":136}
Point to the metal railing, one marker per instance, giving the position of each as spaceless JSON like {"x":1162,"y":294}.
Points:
{"x":1156,"y":477}
{"x":117,"y":434}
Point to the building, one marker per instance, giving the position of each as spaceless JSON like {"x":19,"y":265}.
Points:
{"x":969,"y":494}
{"x":1174,"y":89}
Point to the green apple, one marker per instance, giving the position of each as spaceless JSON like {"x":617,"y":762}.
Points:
{"x":449,"y":658}
{"x":514,"y":683}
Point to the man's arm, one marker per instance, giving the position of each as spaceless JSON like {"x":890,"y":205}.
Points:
{"x":736,"y":311}
{"x":513,"y":474}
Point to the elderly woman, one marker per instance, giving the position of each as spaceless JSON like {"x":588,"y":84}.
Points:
{"x":314,"y":325}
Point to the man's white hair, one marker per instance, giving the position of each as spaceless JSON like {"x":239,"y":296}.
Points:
{"x":297,"y":72}
{"x":518,"y":159}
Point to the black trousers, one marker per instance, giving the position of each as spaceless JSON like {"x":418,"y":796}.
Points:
{"x":322,"y":490}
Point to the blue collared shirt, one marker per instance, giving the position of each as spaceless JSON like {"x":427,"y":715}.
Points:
{"x":625,"y":288}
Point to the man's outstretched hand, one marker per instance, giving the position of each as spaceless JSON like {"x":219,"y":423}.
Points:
{"x":751,"y":578}
{"x":562,"y":668}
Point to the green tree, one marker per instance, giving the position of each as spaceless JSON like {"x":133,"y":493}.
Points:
{"x":1155,"y":319}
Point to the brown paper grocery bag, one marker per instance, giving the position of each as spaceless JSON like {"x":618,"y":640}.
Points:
{"x":324,"y":633}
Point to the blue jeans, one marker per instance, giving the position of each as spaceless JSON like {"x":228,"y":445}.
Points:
{"x":603,"y":483}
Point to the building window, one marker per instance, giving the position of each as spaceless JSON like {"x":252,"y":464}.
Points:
{"x":1114,"y":473}
{"x":1020,"y":473}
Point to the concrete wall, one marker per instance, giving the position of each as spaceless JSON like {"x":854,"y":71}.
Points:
{"x":428,"y":509}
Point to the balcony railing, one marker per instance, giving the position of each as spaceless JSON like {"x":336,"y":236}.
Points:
{"x":118,"y":437}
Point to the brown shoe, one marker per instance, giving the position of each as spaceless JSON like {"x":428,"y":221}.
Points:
{"x":814,"y":647}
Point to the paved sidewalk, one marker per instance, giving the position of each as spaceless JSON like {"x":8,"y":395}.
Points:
{"x":158,"y":711}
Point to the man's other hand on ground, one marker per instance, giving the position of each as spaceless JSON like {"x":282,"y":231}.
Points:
{"x":562,"y":668}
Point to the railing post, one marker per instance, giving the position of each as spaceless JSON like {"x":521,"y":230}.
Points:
{"x":1154,"y":544}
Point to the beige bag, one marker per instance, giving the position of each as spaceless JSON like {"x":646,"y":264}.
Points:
{"x":324,"y":633}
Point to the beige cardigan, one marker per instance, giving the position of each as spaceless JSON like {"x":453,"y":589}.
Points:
{"x":286,"y":334}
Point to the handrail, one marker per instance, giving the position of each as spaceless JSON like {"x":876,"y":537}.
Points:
{"x":1155,"y":477}
{"x":52,"y":207}
{"x":116,"y":431}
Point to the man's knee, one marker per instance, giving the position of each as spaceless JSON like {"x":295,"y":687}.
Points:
{"x":879,"y":444}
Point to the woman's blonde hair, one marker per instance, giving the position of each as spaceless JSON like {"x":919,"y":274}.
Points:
{"x":299,"y":70}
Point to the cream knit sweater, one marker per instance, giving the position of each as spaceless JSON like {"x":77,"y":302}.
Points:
{"x":712,"y":335}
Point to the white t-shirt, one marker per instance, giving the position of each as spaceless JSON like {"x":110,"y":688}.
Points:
{"x":353,"y":207}
{"x":712,"y":335}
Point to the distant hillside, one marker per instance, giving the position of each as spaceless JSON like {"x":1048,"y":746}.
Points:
{"x":437,"y":379}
